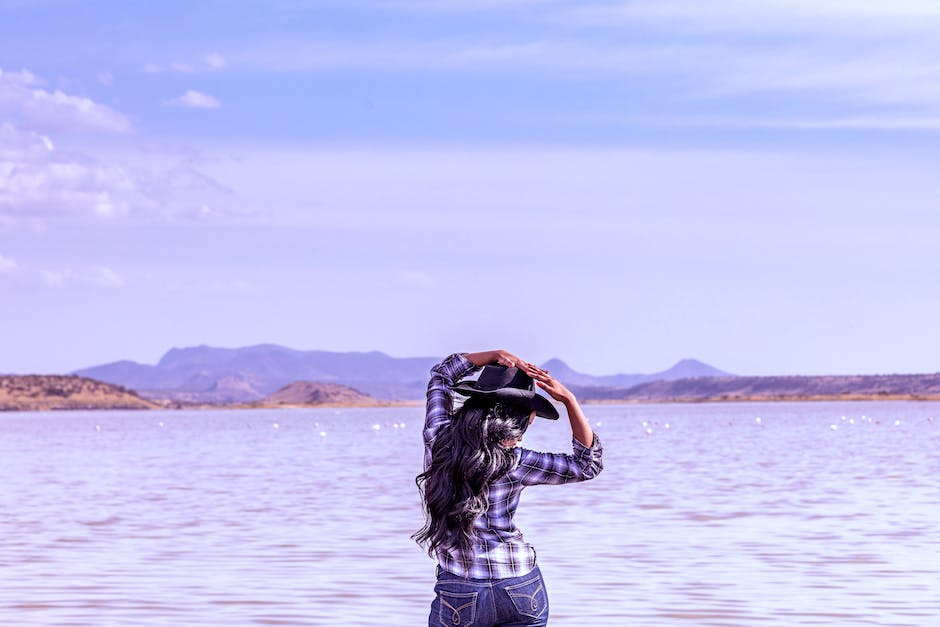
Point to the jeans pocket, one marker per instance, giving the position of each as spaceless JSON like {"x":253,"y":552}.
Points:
{"x":458,"y":609}
{"x":529,"y":597}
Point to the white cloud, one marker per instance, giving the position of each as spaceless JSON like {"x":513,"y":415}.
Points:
{"x":23,"y":101}
{"x":37,"y":180}
{"x":7,"y":264}
{"x":195,"y":100}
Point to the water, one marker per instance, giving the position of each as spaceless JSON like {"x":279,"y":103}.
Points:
{"x":252,"y":517}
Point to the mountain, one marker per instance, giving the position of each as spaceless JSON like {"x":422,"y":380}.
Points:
{"x":683,"y":369}
{"x":206,"y":374}
{"x":48,"y":392}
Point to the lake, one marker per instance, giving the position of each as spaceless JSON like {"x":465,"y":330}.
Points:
{"x":733,"y":515}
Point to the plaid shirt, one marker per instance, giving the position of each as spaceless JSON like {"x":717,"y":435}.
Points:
{"x":499,"y":550}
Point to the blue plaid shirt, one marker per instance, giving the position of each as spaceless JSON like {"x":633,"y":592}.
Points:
{"x":499,"y":549}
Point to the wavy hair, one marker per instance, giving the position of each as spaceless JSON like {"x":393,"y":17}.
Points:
{"x":466,"y":458}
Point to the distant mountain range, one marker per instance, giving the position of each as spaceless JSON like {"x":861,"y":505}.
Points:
{"x":268,"y":375}
{"x":205,"y":374}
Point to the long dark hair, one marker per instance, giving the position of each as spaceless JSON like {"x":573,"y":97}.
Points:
{"x":466,"y":458}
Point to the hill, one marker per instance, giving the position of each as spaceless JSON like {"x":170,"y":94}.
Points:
{"x":306,"y":393}
{"x":698,"y":389}
{"x":48,"y":392}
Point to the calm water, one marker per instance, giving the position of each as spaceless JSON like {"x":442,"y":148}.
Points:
{"x":223,"y":518}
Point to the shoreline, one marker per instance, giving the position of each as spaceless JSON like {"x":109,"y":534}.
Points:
{"x":782,"y":398}
{"x":420,"y":403}
{"x":210,"y":407}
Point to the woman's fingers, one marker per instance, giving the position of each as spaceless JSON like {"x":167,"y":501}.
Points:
{"x":505,"y":358}
{"x":536,"y":373}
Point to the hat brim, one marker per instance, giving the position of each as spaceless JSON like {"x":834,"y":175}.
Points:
{"x":525,"y":398}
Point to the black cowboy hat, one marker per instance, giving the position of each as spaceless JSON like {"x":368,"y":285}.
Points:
{"x":509,"y":385}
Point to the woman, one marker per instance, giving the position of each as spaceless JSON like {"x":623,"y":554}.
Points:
{"x":473,"y":476}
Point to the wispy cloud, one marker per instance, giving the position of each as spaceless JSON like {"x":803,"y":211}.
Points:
{"x":195,"y":100}
{"x":860,"y":51}
{"x":210,"y":63}
{"x":55,"y":278}
{"x":808,"y":123}
{"x":105,"y":277}
{"x":765,"y":16}
{"x":466,"y":6}
{"x":501,"y":57}
{"x":697,"y":68}
{"x":95,"y":276}
{"x":866,"y":54}
{"x":23,"y":100}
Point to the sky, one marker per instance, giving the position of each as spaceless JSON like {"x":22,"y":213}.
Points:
{"x":619,"y":184}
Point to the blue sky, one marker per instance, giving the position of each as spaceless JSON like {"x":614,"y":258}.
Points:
{"x":620,"y":184}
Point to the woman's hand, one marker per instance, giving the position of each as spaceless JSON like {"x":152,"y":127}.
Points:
{"x":580,"y":428}
{"x":554,"y":387}
{"x":502,"y":357}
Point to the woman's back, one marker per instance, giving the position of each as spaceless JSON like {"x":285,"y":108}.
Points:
{"x":474,"y":475}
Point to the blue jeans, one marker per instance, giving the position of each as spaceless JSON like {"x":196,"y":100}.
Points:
{"x":464,"y":602}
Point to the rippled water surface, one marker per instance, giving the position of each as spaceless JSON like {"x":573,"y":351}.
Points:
{"x":302,"y":517}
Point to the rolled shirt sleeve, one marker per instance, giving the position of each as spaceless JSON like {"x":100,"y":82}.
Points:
{"x":583,"y":463}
